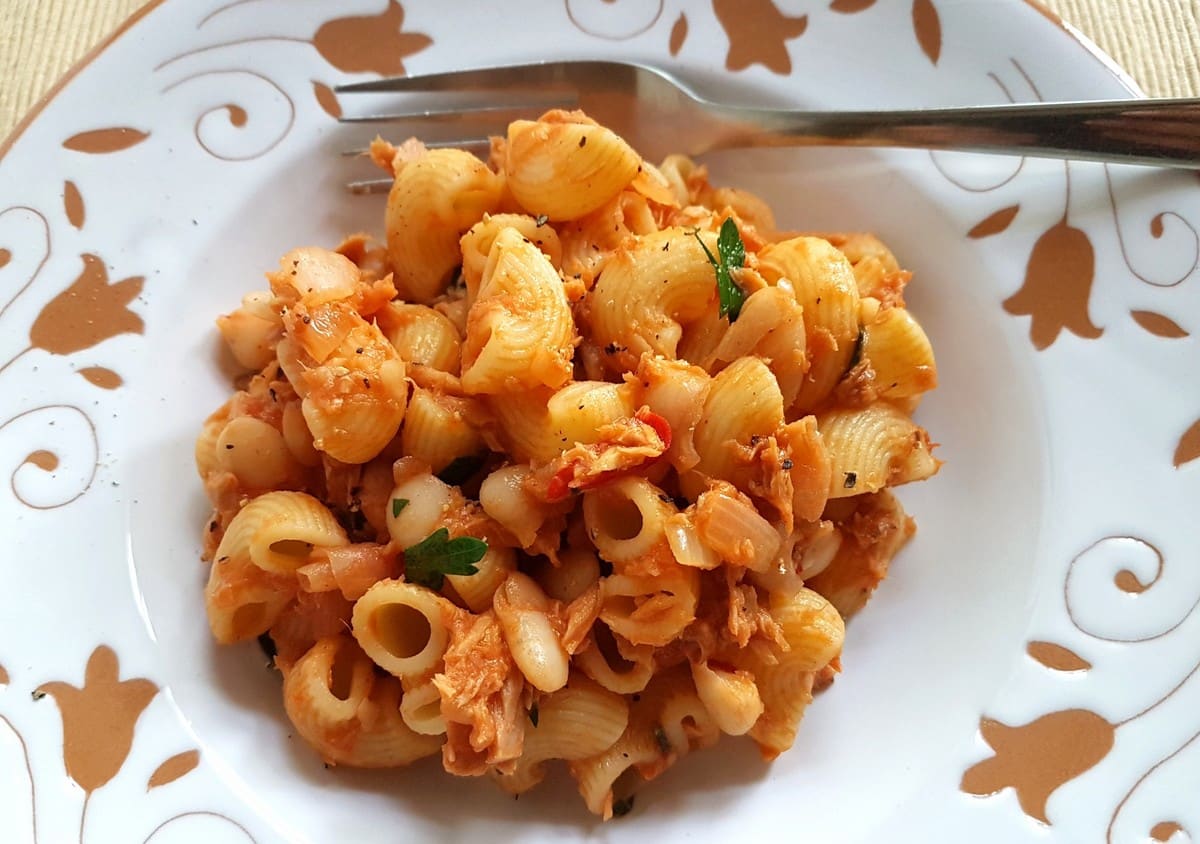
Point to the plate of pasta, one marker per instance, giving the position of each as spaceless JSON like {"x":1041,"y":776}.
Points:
{"x":570,"y":492}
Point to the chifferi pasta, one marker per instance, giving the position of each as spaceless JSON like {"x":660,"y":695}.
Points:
{"x":588,"y":460}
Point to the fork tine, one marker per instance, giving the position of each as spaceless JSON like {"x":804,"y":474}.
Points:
{"x":503,"y":76}
{"x":369,"y":186}
{"x":441,"y":114}
{"x":459,"y":143}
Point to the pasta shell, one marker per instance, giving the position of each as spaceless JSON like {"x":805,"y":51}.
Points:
{"x":826,"y":290}
{"x":875,"y":447}
{"x":325,"y":695}
{"x":277,"y":530}
{"x":900,"y":353}
{"x":566,"y":169}
{"x":433,"y":201}
{"x":520,"y":331}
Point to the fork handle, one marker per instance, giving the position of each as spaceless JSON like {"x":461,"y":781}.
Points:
{"x":1158,"y":132}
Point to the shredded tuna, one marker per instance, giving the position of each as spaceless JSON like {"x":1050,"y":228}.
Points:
{"x":481,"y":688}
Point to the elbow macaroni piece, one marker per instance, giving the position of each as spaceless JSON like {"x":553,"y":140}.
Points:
{"x":478,"y":241}
{"x":465,"y":539}
{"x":876,"y":447}
{"x":520,"y":332}
{"x":648,"y":293}
{"x":401,"y":627}
{"x":743,"y":402}
{"x":277,"y":531}
{"x":433,"y":201}
{"x":422,"y":335}
{"x":565,"y":167}
{"x":346,"y":713}
{"x":827,"y":293}
{"x":437,"y":429}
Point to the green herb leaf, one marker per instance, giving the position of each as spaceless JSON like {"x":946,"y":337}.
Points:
{"x":533,"y":714}
{"x":437,"y":555}
{"x":733,"y":256}
{"x":623,"y":807}
{"x":398,"y":505}
{"x":730,"y":246}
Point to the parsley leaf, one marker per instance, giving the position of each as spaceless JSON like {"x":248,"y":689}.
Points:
{"x":398,"y":505}
{"x":733,"y":256}
{"x":437,"y":555}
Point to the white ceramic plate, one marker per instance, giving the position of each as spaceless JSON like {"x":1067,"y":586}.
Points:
{"x":1029,"y":669}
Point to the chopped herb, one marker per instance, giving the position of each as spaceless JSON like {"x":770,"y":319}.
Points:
{"x":850,"y":481}
{"x":37,"y":694}
{"x":787,"y":464}
{"x":359,"y":350}
{"x":367,"y":383}
{"x":307,"y":319}
{"x":398,"y":505}
{"x":623,"y":807}
{"x":664,"y":743}
{"x":437,"y":555}
{"x":583,"y":141}
{"x":533,"y":714}
{"x":460,"y":469}
{"x":228,"y":445}
{"x":541,"y":220}
{"x":733,"y":256}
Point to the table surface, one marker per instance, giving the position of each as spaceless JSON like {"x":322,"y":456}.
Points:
{"x":1154,"y":40}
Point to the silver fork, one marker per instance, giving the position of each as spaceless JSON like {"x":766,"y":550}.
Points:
{"x":660,"y":112}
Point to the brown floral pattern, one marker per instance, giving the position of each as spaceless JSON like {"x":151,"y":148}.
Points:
{"x":758,"y":34}
{"x":98,"y":718}
{"x":1057,"y":286}
{"x":371,"y":43}
{"x":172,"y":769}
{"x":101,"y":141}
{"x":99,"y":725}
{"x":1035,"y":759}
{"x":88,"y":312}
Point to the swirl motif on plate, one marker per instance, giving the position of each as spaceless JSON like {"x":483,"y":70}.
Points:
{"x":226,"y":131}
{"x":613,"y":20}
{"x":241,"y":131}
{"x":1114,"y":592}
{"x":1057,"y":288}
{"x":56,"y":458}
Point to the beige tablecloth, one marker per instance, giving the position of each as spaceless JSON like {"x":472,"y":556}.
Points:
{"x":1156,"y":41}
